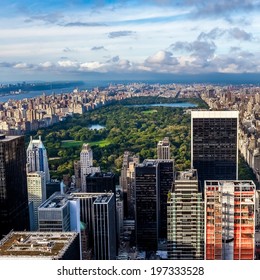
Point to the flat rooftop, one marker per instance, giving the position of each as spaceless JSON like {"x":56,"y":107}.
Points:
{"x":57,"y":200}
{"x":50,"y":245}
{"x":103,"y":198}
{"x":190,"y":174}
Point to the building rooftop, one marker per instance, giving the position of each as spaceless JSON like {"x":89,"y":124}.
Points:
{"x":57,"y":200}
{"x":49,"y":245}
{"x":104,"y":198}
{"x":101,"y":175}
{"x":190,"y":174}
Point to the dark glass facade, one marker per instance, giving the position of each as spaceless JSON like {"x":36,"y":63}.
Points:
{"x":214,"y":148}
{"x":100,"y":182}
{"x":153,"y":180}
{"x":146,"y":207}
{"x":14,"y":213}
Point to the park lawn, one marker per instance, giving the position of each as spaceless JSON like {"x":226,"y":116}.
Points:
{"x":73,"y":143}
{"x":101,"y":143}
{"x":147,"y":112}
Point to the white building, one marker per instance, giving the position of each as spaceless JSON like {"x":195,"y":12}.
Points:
{"x":86,"y":164}
{"x":37,"y":159}
{"x":36,"y":187}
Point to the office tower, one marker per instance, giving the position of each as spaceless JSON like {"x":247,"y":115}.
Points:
{"x":59,"y":213}
{"x":86,"y":218}
{"x":14,"y":213}
{"x":185,"y":216}
{"x":229,"y":220}
{"x":100,"y":182}
{"x":163,"y":149}
{"x":214,"y":145}
{"x":104,"y":227}
{"x":25,"y":245}
{"x":153,"y":181}
{"x":86,"y":164}
{"x":36,"y":187}
{"x":126,"y":181}
{"x":37,"y":159}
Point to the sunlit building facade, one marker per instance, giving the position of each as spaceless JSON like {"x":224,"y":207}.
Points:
{"x":229,"y":220}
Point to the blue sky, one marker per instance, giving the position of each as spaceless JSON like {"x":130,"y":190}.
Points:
{"x":54,"y":40}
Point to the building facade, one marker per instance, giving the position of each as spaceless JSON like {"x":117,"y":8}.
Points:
{"x":37,"y":159}
{"x":185,"y":217}
{"x":214,"y":145}
{"x":14,"y":213}
{"x":163,"y":149}
{"x":153,"y":181}
{"x":104,"y":227}
{"x":86,"y":164}
{"x":36,"y":186}
{"x":229,"y":220}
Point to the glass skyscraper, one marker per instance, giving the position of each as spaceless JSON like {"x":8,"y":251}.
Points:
{"x":214,"y":145}
{"x":14,"y":213}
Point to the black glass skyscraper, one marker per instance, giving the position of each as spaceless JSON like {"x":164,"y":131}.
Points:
{"x":153,"y":181}
{"x":214,"y":145}
{"x":14,"y":213}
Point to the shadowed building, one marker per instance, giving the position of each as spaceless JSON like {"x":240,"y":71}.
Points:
{"x":14,"y":213}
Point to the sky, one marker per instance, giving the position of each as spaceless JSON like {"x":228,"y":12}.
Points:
{"x":81,"y":40}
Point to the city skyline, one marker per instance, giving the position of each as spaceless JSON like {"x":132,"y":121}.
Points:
{"x":104,"y":39}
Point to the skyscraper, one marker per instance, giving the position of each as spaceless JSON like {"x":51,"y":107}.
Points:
{"x":214,"y":145}
{"x":86,"y":164}
{"x":153,"y":181}
{"x":36,"y":195}
{"x":229,"y":220}
{"x":185,"y":217}
{"x":14,"y":212}
{"x":126,"y":181}
{"x":37,"y":159}
{"x":104,"y":227}
{"x":163,"y":149}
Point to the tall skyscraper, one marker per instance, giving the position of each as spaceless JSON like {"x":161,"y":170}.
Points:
{"x":229,"y":220}
{"x":153,"y":181}
{"x":104,"y":227}
{"x":126,"y":181}
{"x":214,"y":145}
{"x":185,"y":216}
{"x":86,"y":164}
{"x":163,"y":149}
{"x":37,"y":159}
{"x":14,"y":213}
{"x":36,"y":186}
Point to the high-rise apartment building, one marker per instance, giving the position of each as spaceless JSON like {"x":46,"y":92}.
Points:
{"x":37,"y":159}
{"x":153,"y":181}
{"x":86,"y":164}
{"x":163,"y":149}
{"x":229,"y":220}
{"x":14,"y":213}
{"x":185,"y":217}
{"x":214,"y":145}
{"x":104,"y":227}
{"x":36,"y":187}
